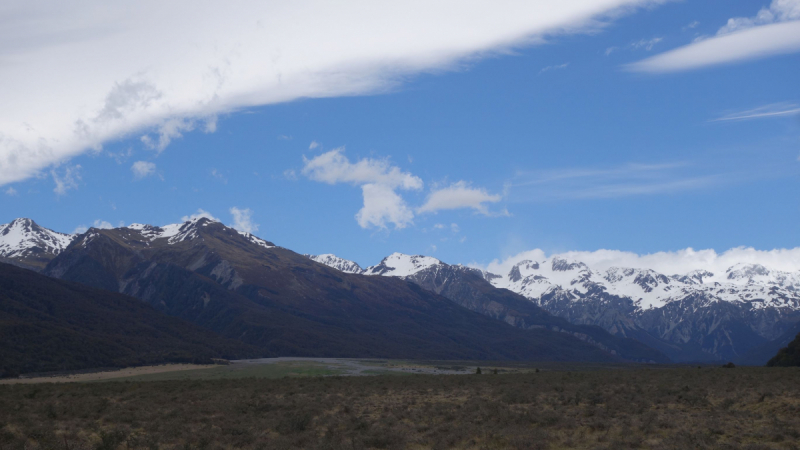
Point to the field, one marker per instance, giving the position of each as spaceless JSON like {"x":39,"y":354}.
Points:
{"x":588,"y":407}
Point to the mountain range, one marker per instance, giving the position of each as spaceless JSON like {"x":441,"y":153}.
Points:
{"x":745,"y":314}
{"x":250,"y":290}
{"x":284,"y":304}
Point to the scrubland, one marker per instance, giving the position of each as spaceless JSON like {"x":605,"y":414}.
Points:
{"x":708,"y":408}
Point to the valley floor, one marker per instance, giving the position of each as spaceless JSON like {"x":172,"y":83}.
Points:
{"x":650,"y":408}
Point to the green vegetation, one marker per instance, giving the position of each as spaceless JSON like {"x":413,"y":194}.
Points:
{"x":788,"y":356}
{"x":709,"y":408}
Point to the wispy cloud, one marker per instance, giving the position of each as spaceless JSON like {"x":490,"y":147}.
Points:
{"x":691,"y":26}
{"x":646,"y":44}
{"x":243,"y":220}
{"x":622,"y":181}
{"x":772,"y":111}
{"x":774,"y":30}
{"x":66,"y":180}
{"x":10,"y":192}
{"x":558,"y":67}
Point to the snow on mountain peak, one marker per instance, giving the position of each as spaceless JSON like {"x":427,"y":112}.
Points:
{"x":401,"y":265}
{"x":340,"y":264}
{"x":23,"y":237}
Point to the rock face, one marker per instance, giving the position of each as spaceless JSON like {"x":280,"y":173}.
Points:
{"x":740,"y":314}
{"x":283,"y":303}
{"x":24,"y":243}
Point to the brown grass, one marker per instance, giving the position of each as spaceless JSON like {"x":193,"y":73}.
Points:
{"x":709,"y":408}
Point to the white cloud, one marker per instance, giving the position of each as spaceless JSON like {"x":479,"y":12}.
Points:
{"x":10,"y":191}
{"x":86,"y":73}
{"x":243,"y":220}
{"x":142,"y":169}
{"x":333,"y":167}
{"x":378,"y":179}
{"x":454,"y":227}
{"x":80,"y":229}
{"x":66,"y":180}
{"x":773,"y":31}
{"x":775,"y":110}
{"x":382,"y":206}
{"x":199,"y":214}
{"x":313,"y":145}
{"x":102,"y":224}
{"x":558,"y":67}
{"x":459,"y":195}
{"x":669,"y":263}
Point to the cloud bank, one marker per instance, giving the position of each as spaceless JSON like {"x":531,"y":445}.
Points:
{"x":668,"y":263}
{"x":88,"y":72}
{"x":773,"y":31}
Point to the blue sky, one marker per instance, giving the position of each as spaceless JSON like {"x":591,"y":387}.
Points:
{"x":580,"y":138}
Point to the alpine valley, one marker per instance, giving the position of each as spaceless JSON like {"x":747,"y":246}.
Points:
{"x":271,"y":301}
{"x":281,"y":303}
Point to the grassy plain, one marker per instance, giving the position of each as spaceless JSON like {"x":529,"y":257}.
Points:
{"x":648,"y":408}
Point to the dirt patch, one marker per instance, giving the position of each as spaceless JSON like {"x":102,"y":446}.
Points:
{"x":107,"y":375}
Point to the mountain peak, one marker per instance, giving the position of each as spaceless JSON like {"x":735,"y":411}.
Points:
{"x":24,"y":240}
{"x":402,"y":265}
{"x":340,"y":264}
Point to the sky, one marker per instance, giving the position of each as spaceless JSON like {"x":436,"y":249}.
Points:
{"x":468,"y":131}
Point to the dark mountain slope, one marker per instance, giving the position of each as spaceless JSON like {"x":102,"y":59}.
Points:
{"x":246,"y":288}
{"x":788,"y":356}
{"x":52,"y":325}
{"x":468,"y":288}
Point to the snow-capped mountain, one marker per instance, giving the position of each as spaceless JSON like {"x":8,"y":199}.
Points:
{"x":340,"y":264}
{"x":753,"y":284}
{"x":698,"y":315}
{"x":400,"y":265}
{"x":25,"y":243}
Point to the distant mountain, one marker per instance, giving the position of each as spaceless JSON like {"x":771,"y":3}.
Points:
{"x":53,"y":325}
{"x":245,"y":288}
{"x":740,"y":315}
{"x":788,"y":356}
{"x":26,"y":244}
{"x":467,"y":287}
{"x":694,"y":316}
